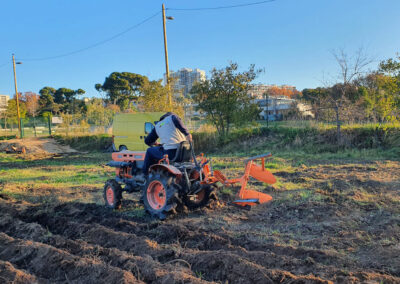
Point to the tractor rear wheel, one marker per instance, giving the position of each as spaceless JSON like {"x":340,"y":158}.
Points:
{"x":160,"y":196}
{"x":201,"y":199}
{"x":112,"y":194}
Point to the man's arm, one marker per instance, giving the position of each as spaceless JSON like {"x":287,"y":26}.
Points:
{"x":182,"y":128}
{"x":151,"y":138}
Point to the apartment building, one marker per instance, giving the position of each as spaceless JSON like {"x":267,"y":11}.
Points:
{"x":185,"y":78}
{"x":3,"y":102}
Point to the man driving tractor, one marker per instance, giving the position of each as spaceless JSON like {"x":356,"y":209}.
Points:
{"x":164,"y":190}
{"x":171,"y":131}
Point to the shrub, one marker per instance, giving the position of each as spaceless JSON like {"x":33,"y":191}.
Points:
{"x":86,"y":142}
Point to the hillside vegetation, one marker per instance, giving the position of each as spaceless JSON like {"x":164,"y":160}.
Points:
{"x":317,"y":138}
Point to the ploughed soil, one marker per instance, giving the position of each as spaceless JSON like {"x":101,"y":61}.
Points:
{"x":341,"y":225}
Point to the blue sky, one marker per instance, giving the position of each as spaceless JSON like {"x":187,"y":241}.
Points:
{"x":291,"y":39}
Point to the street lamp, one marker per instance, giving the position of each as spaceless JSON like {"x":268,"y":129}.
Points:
{"x":16,"y":95}
{"x":166,"y":52}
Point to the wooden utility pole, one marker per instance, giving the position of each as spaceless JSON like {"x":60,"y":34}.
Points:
{"x":16,"y":95}
{"x":166,"y":56}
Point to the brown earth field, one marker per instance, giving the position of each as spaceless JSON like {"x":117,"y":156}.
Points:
{"x":329,"y":222}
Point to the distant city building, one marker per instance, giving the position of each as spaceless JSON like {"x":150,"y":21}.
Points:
{"x":4,"y":102}
{"x":185,"y":78}
{"x":276,"y":108}
{"x":257,"y":91}
{"x":56,"y":120}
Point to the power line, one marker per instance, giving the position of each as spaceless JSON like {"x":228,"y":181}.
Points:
{"x":95,"y":44}
{"x":137,"y":25}
{"x":221,"y":7}
{"x":4,"y":64}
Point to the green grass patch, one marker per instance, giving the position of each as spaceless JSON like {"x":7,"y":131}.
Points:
{"x":70,"y":178}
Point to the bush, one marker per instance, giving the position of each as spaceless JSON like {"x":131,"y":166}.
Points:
{"x":8,"y":137}
{"x":86,"y":142}
{"x":321,"y":138}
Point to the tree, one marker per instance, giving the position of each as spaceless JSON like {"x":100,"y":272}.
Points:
{"x":61,"y":100}
{"x":99,"y":115}
{"x":67,"y":98}
{"x":11,"y":110}
{"x":46,"y":100}
{"x":114,"y":108}
{"x":314,"y":95}
{"x":350,"y":69}
{"x":122,"y":88}
{"x":225,"y":97}
{"x":391,"y":68}
{"x":282,"y":91}
{"x":380,"y":93}
{"x":155,"y":98}
{"x":32,"y":103}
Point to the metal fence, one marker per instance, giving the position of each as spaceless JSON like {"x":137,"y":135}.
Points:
{"x":30,"y":127}
{"x":46,"y":126}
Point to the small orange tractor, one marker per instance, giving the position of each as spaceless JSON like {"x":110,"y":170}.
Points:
{"x":183,"y":180}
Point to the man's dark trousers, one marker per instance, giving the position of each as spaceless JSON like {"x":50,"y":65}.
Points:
{"x":154,"y":154}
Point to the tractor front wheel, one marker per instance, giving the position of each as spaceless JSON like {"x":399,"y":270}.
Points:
{"x":160,"y":195}
{"x":112,"y":194}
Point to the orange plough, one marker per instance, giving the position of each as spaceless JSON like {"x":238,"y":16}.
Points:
{"x":183,"y":180}
{"x":246,"y":197}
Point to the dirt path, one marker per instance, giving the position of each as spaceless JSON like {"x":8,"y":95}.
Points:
{"x":37,"y":146}
{"x":338,"y":235}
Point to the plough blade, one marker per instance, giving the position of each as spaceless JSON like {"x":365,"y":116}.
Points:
{"x":262,"y":175}
{"x":247,"y":197}
{"x":252,"y":197}
{"x":246,"y":201}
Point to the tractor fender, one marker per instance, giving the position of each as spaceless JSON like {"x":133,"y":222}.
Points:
{"x":173,"y":170}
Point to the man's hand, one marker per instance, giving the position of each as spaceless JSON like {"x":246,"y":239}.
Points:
{"x":189,"y":137}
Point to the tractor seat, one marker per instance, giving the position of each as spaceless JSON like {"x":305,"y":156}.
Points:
{"x":183,"y":153}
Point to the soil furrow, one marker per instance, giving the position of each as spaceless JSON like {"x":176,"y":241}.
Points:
{"x":57,"y":265}
{"x":144,"y":268}
{"x":103,"y":236}
{"x":10,"y":274}
{"x":337,"y":225}
{"x":299,"y":261}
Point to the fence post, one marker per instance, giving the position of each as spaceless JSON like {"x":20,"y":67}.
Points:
{"x":338,"y":124}
{"x":5,"y":126}
{"x":22,"y":128}
{"x":49,"y":121}
{"x":34,"y":126}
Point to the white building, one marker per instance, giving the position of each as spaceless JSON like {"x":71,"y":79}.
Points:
{"x":185,"y":78}
{"x":275,"y":108}
{"x":4,"y":102}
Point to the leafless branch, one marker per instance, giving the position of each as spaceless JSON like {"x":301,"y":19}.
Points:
{"x":351,"y":67}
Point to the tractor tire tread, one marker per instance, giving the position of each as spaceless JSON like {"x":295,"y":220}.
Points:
{"x":171,"y":198}
{"x":209,"y":196}
{"x":118,"y":194}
